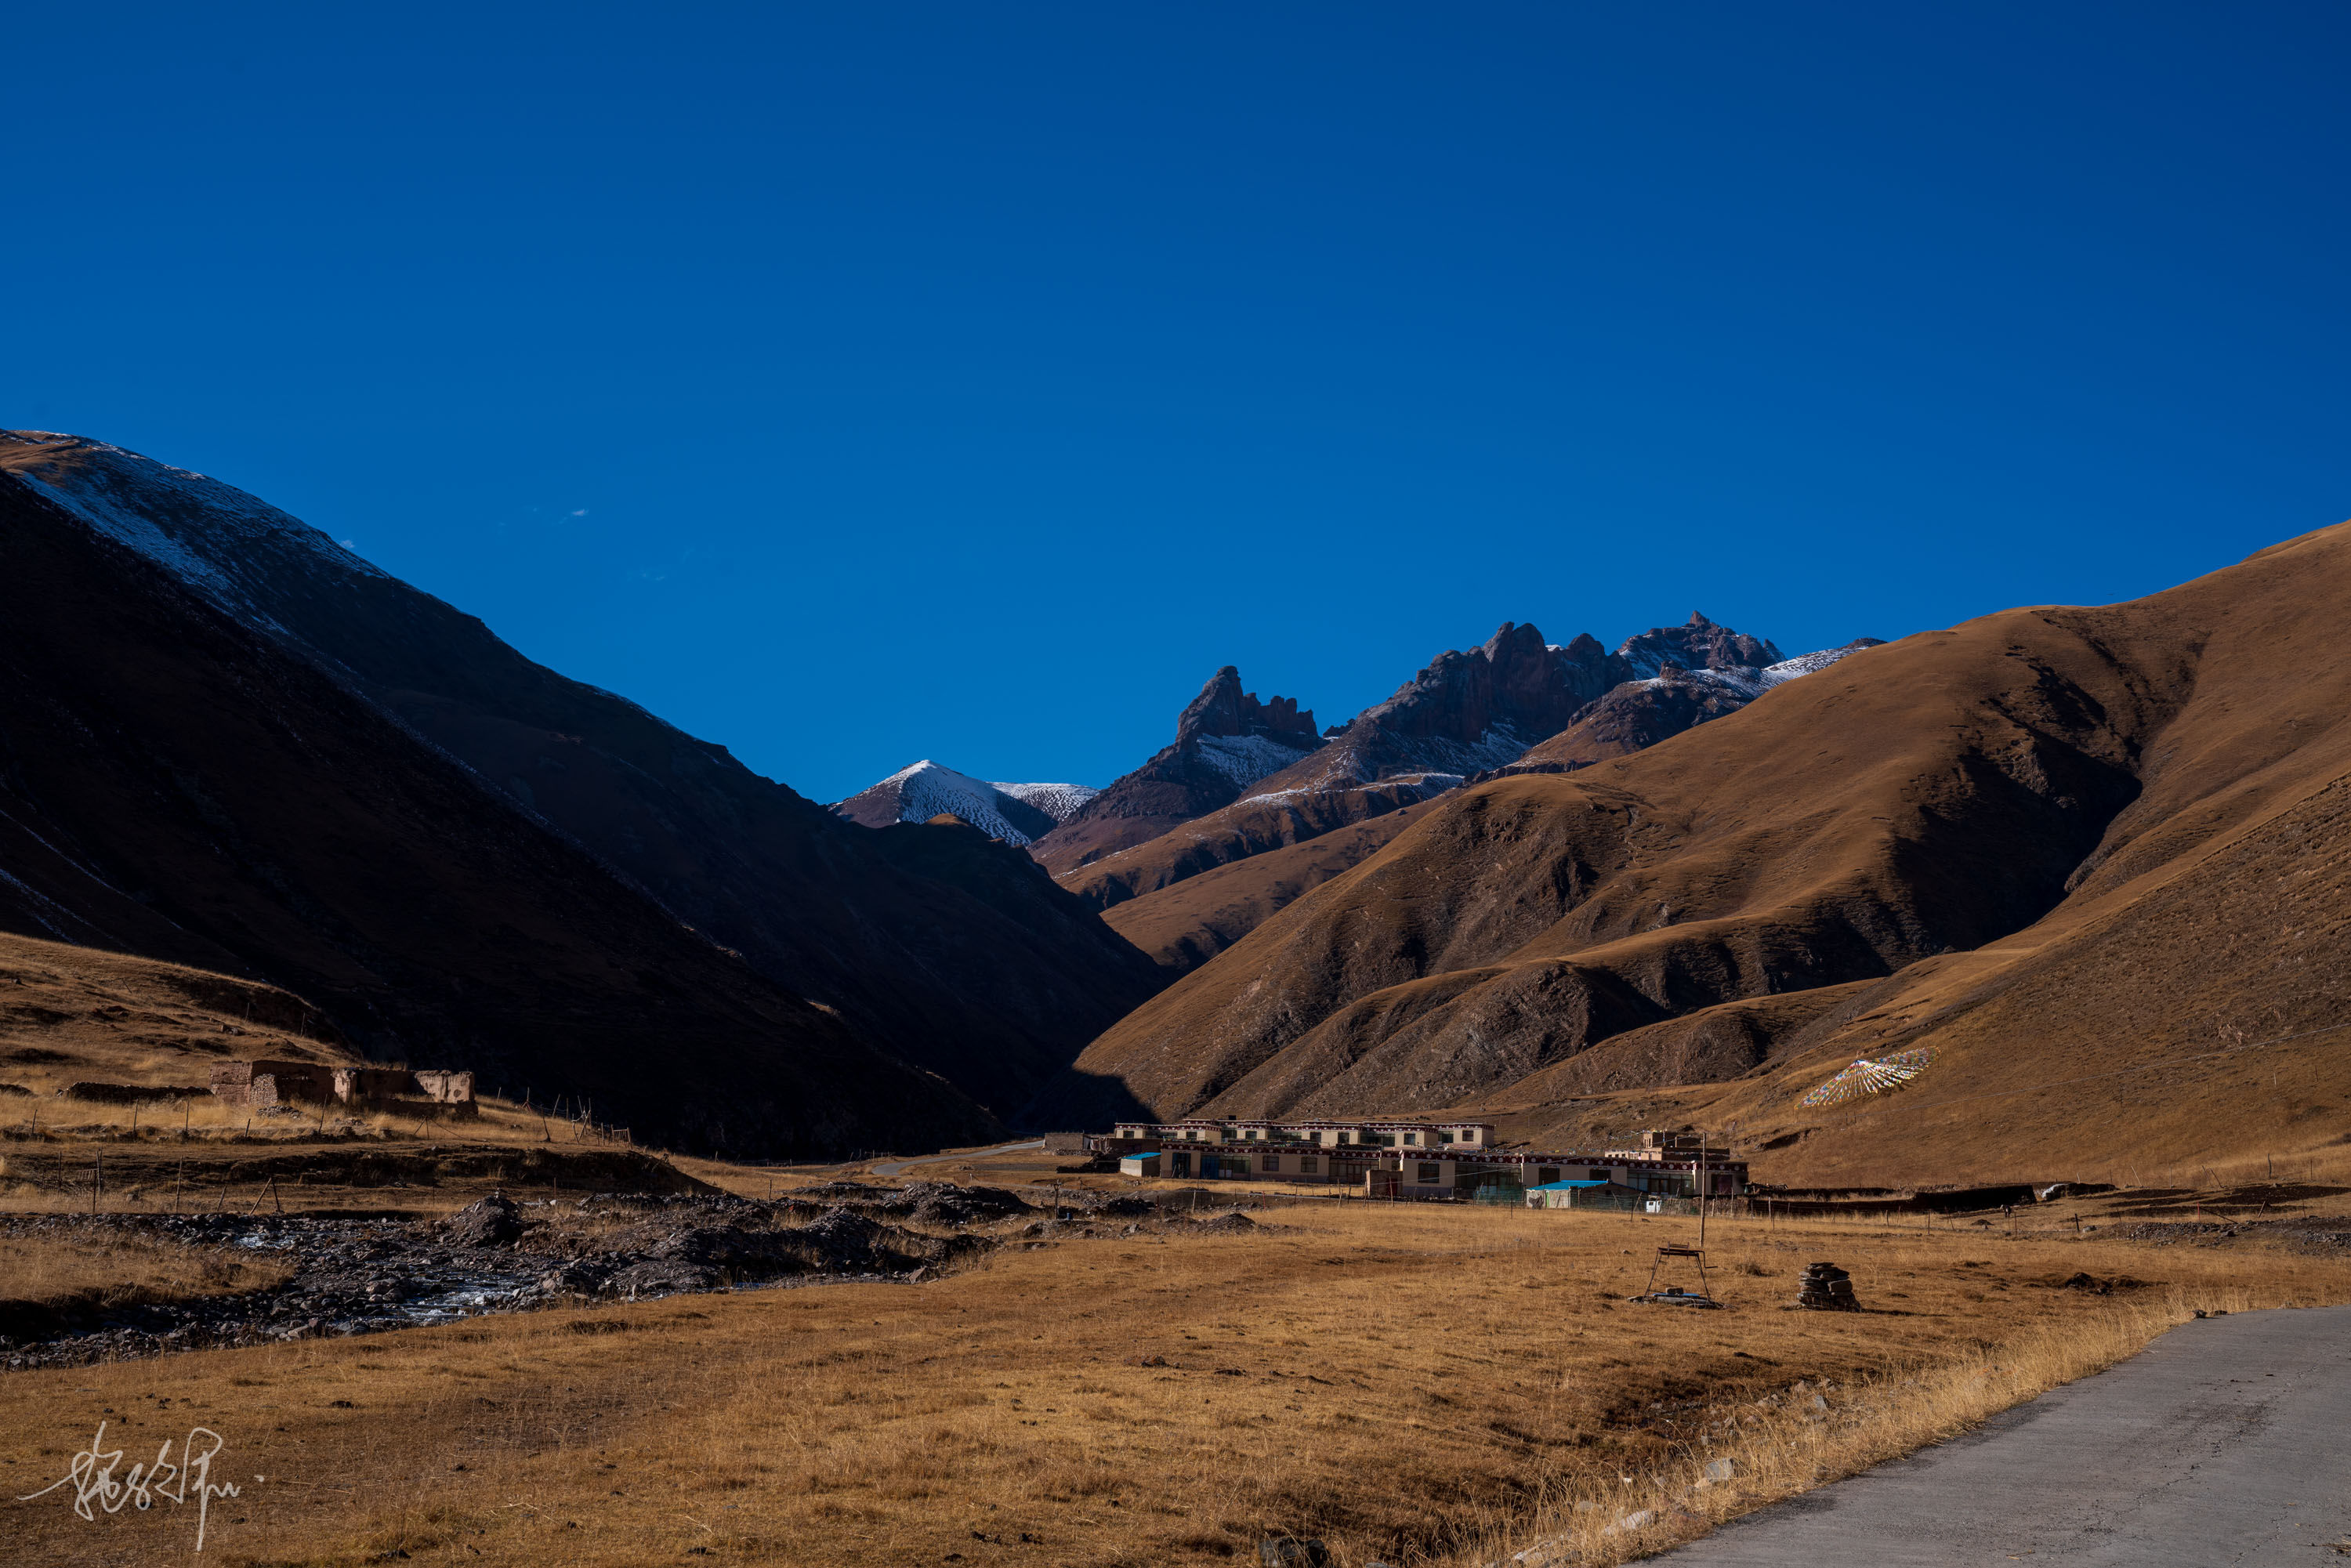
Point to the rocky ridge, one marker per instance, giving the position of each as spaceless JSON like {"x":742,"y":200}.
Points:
{"x":1227,"y":740}
{"x":1518,"y":704}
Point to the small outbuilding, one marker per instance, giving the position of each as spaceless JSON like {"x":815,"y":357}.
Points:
{"x":1581,"y":1195}
{"x":1139,"y":1165}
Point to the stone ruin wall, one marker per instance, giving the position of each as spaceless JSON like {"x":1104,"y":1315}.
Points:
{"x":262,"y":1085}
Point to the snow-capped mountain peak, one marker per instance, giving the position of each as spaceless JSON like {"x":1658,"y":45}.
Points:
{"x":1016,"y":813}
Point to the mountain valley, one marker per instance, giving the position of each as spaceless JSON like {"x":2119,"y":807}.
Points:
{"x":1557,"y":883}
{"x":232,"y":744}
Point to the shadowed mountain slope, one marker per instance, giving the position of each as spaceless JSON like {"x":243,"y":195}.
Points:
{"x":1907,"y":813}
{"x":175,"y":784}
{"x":964,"y":958}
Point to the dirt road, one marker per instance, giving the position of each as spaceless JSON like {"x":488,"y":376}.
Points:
{"x":894,"y":1166}
{"x":2222,"y":1443}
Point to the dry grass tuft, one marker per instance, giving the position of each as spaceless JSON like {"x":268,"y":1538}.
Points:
{"x":125,"y":1270}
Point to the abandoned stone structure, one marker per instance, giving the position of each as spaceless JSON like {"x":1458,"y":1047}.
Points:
{"x":445,"y":1088}
{"x":257,"y":1085}
{"x":260,"y":1086}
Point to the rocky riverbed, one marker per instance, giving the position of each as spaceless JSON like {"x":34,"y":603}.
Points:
{"x":361,"y":1276}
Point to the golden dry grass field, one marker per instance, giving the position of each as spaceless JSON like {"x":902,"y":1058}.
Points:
{"x":117,"y":1270}
{"x":1413,"y":1385}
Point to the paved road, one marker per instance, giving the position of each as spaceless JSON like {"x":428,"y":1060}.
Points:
{"x":894,"y":1166}
{"x":2226,"y":1441}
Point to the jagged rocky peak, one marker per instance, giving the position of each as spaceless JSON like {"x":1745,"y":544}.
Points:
{"x":1582,"y":664}
{"x":1516,"y":682}
{"x":1639,"y":713}
{"x":1224,"y":711}
{"x":1697,"y":643}
{"x":1236,"y":737}
{"x":1226,"y":741}
{"x":1469,"y":713}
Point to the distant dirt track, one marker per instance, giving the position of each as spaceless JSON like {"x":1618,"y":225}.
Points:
{"x":894,"y":1166}
{"x":2220,"y":1443}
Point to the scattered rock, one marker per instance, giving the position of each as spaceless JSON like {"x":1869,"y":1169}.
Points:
{"x":2091,"y":1284}
{"x":1231,"y":1224}
{"x":1824,"y":1287}
{"x":493,"y":1221}
{"x":573,"y":1279}
{"x":943,"y":1203}
{"x":1720,"y":1470}
{"x":365,"y":1275}
{"x":1291,"y":1552}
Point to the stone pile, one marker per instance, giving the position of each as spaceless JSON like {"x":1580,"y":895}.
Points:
{"x":1827,"y":1287}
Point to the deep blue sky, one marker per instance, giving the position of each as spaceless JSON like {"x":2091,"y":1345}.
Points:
{"x":854,"y":383}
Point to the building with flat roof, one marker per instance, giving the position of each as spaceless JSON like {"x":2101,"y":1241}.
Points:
{"x":1130,"y":1137}
{"x":1437,"y":1159}
{"x":1585,"y":1193}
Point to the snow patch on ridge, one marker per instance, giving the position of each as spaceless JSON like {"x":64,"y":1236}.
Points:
{"x":1645,"y":664}
{"x":927,"y":789}
{"x":1059,"y":801}
{"x":1808,"y":663}
{"x":212,"y":536}
{"x":1246,"y":759}
{"x":1751,"y":683}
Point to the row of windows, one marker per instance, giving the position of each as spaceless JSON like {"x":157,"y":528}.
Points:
{"x":1436,"y":1137}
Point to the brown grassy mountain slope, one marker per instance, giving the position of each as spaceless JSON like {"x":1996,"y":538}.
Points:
{"x":1631,"y":718}
{"x":1920,"y":801}
{"x":1639,"y":714}
{"x":1184,"y":924}
{"x":71,"y":1014}
{"x":2196,"y":1014}
{"x":1245,"y":828}
{"x":1326,"y":791}
{"x":177,"y":783}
